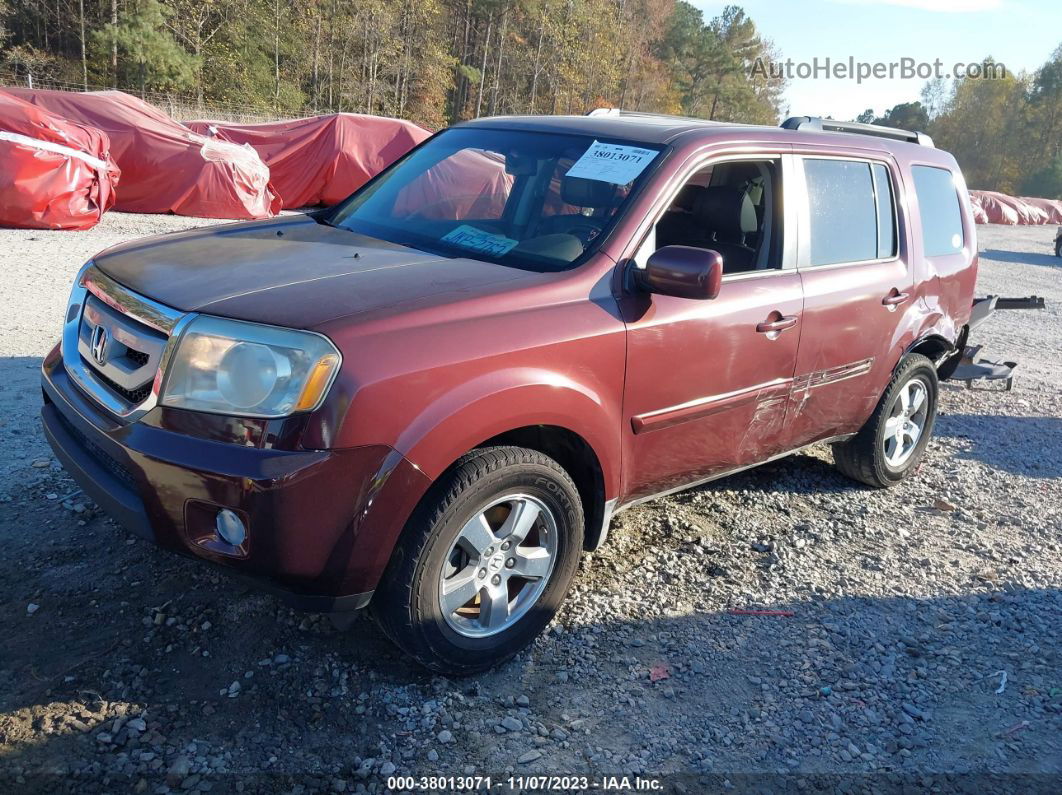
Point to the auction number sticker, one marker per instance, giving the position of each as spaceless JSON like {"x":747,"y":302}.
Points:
{"x":613,"y":163}
{"x":477,"y":240}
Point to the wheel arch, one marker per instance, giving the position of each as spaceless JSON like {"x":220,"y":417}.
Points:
{"x":578,"y":459}
{"x":568,"y":421}
{"x":944,"y":353}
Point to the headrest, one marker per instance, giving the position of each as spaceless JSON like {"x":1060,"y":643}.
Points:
{"x":726,"y":209}
{"x":687,"y":198}
{"x":588,"y":192}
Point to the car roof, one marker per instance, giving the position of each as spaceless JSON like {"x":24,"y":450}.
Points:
{"x":657,"y":129}
{"x":647,"y":128}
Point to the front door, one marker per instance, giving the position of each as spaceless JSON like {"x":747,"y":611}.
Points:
{"x":707,"y":382}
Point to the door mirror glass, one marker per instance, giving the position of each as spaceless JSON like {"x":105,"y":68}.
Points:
{"x":682,"y":271}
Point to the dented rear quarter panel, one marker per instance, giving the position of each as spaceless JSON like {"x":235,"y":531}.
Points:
{"x":946,"y":283}
{"x":844,"y":320}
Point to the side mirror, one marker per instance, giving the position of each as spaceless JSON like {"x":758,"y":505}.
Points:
{"x":681,"y":271}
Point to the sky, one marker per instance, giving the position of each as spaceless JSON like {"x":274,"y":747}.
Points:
{"x":1018,"y":33}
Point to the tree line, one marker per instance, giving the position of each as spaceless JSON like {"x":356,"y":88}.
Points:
{"x":439,"y":61}
{"x":1005,"y":133}
{"x":431,"y":61}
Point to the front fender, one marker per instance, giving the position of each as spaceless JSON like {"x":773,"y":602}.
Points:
{"x":504,"y":400}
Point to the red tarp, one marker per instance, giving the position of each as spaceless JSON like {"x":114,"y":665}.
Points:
{"x":999,"y":208}
{"x":56,"y":174}
{"x":322,"y":159}
{"x":979,"y":214}
{"x":1051,"y":208}
{"x":166,"y":168}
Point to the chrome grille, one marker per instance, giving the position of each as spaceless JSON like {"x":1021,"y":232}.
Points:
{"x":116,"y":343}
{"x":131,"y":353}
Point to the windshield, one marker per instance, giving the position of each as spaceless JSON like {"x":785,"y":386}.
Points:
{"x":532,"y":200}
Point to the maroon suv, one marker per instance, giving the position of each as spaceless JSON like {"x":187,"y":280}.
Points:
{"x":432,"y":397}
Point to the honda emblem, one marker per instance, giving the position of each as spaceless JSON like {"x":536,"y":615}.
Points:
{"x":98,"y":345}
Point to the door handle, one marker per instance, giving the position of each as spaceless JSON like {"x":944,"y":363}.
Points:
{"x":781,"y":324}
{"x":894,"y":298}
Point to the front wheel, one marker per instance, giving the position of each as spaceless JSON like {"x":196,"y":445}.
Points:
{"x":484,"y":563}
{"x":890,"y":445}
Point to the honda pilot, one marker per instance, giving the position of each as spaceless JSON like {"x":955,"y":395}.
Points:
{"x":431,"y":398}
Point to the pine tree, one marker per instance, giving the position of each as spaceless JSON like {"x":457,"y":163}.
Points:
{"x":148,"y":55}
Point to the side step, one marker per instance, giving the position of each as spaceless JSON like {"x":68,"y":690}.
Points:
{"x":971,"y":369}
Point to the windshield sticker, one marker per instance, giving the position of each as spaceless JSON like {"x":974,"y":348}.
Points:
{"x":476,"y":239}
{"x":612,"y":163}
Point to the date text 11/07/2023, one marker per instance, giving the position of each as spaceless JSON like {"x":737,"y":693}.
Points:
{"x":529,"y":783}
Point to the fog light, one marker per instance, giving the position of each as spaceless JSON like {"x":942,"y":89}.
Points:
{"x":230,"y":527}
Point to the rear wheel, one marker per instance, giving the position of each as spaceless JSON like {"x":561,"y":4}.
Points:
{"x":1058,"y":247}
{"x":484,"y":563}
{"x":890,"y":445}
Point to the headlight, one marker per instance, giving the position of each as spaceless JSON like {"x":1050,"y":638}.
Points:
{"x":249,"y":370}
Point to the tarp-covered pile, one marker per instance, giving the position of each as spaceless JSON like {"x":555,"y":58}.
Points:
{"x":167,"y":168}
{"x":54,"y":173}
{"x":322,"y":159}
{"x":1051,"y":208}
{"x":992,"y":207}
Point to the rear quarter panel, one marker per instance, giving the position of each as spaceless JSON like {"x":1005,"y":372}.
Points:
{"x":945,"y":284}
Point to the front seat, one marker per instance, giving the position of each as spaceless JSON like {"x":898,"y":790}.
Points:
{"x":727,"y":217}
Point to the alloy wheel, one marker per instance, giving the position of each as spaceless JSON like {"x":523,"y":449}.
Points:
{"x":906,"y":422}
{"x":498,"y":566}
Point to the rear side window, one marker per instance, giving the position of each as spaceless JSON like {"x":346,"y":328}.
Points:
{"x":938,"y":202}
{"x":851,"y":212}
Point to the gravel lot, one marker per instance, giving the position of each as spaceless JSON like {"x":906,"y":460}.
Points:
{"x":921,"y":639}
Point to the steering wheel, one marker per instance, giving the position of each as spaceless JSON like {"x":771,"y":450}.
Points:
{"x":584,"y":230}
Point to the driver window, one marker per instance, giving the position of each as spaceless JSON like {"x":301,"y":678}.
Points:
{"x":733,"y":208}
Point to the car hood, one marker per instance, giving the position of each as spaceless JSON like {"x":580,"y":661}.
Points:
{"x":294,"y":271}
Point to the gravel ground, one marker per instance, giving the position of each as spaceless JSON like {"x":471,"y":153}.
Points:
{"x":920,"y":641}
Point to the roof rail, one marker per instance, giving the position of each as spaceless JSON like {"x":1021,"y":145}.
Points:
{"x":832,"y":125}
{"x":615,"y":112}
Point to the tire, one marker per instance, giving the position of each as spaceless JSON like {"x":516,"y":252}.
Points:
{"x":866,"y":457}
{"x":1058,"y":248}
{"x":489,"y":485}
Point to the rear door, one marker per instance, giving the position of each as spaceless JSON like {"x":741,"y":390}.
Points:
{"x":854,"y":263}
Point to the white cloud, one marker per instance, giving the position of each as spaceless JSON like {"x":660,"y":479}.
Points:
{"x":942,"y":6}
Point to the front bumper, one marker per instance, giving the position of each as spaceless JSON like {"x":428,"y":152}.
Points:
{"x":320,"y":524}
